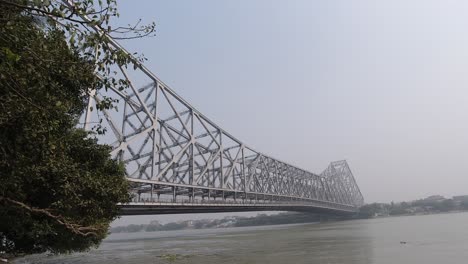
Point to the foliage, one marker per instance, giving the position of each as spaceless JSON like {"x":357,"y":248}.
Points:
{"x":464,"y":204}
{"x":421,"y":206}
{"x":398,"y":209}
{"x":88,"y":30}
{"x":445,"y":205}
{"x":59,"y":189}
{"x":370,"y":210}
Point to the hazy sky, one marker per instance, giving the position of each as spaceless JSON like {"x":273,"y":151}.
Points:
{"x":382,"y":84}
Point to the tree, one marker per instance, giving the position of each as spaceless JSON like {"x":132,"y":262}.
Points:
{"x":370,"y":210}
{"x":59,"y":188}
{"x":445,"y":205}
{"x":88,"y":30}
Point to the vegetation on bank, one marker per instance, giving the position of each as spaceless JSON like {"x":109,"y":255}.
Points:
{"x":59,"y":188}
{"x":231,"y":221}
{"x":429,"y":205}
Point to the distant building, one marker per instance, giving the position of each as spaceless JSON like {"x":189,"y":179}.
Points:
{"x":190,"y":224}
{"x":435,"y":198}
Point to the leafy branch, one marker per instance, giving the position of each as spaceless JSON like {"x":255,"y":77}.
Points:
{"x":72,"y":227}
{"x":88,"y":30}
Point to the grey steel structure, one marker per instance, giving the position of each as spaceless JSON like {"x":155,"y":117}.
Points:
{"x":179,"y":161}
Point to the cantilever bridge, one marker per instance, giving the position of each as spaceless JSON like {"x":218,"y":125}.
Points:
{"x":179,"y":161}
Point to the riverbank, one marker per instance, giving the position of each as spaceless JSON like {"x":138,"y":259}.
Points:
{"x":434,"y":204}
{"x":230,"y":221}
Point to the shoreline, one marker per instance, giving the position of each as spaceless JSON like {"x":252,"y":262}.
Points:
{"x":419,"y":214}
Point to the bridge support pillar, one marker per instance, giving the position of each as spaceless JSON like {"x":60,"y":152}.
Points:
{"x":174,"y":196}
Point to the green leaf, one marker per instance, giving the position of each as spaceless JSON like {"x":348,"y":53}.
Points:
{"x":10,"y":55}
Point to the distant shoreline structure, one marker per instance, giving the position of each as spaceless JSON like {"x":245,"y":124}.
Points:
{"x":434,"y":204}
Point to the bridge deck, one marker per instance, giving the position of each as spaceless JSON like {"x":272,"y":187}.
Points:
{"x":152,"y":208}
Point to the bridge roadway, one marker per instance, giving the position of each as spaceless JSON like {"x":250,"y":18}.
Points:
{"x":203,"y":206}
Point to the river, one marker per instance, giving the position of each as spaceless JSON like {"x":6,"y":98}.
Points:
{"x":428,"y":239}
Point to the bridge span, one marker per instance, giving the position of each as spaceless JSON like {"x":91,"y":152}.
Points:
{"x":188,"y":207}
{"x":179,"y":161}
{"x":333,"y":192}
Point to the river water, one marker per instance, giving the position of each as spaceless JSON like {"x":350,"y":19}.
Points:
{"x":428,"y":239}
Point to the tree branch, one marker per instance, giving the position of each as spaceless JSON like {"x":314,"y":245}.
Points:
{"x":44,"y":12}
{"x":74,"y":228}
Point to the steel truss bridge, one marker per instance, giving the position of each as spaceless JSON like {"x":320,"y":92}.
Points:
{"x":179,"y":161}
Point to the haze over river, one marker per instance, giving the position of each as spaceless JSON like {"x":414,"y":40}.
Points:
{"x":428,"y":239}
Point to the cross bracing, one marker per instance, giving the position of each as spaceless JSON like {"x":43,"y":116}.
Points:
{"x":172,"y":151}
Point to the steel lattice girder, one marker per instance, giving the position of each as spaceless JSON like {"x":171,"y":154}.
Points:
{"x":166,"y":142}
